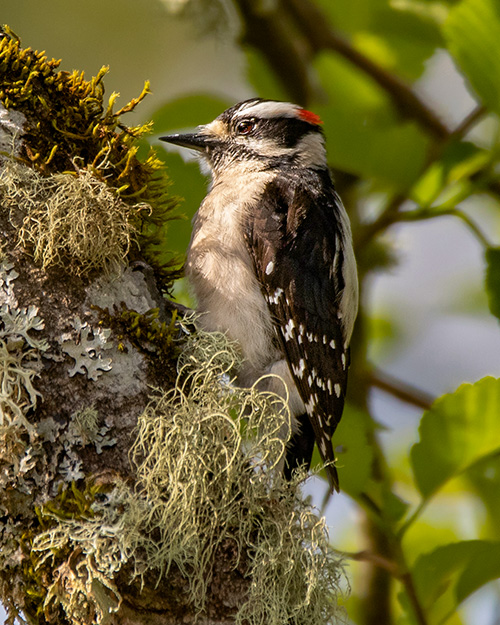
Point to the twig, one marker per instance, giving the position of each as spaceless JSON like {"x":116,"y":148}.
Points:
{"x":367,"y":231}
{"x":402,"y":390}
{"x":267,"y":31}
{"x":407,"y":581}
{"x":368,"y":556}
{"x":420,"y":214}
{"x":466,"y":124}
{"x":314,"y":26}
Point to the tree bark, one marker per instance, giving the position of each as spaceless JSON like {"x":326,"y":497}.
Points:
{"x":128,"y":494}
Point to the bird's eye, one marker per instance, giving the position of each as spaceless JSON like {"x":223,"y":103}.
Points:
{"x":245,"y":127}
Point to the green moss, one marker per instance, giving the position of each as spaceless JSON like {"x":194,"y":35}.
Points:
{"x":148,"y":334}
{"x":70,"y":127}
{"x":39,"y":582}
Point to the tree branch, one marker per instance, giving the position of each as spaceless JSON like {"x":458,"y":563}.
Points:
{"x":401,"y":390}
{"x":269,"y":33}
{"x":314,"y":26}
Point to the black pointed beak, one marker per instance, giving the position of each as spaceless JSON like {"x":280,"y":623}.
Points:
{"x":193,"y":141}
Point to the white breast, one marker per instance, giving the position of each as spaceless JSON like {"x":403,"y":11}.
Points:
{"x":220,"y":269}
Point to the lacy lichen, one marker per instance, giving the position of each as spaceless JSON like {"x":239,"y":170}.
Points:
{"x":69,"y":128}
{"x":20,"y":352}
{"x":206,"y":455}
{"x":87,"y":352}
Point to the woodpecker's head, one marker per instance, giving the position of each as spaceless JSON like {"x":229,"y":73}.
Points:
{"x":259,"y":134}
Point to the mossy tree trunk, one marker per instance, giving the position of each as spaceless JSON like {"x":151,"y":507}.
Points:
{"x":84,"y":336}
{"x":126,"y":492}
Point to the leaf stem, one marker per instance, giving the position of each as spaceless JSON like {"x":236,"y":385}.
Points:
{"x":420,"y":214}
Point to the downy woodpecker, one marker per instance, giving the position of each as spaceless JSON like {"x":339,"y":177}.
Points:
{"x":271,"y":262}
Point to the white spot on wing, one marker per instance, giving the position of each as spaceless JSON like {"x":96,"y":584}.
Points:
{"x":337,"y":389}
{"x":289,"y":330}
{"x":310,"y":405}
{"x":276,"y":295}
{"x":269,"y":268}
{"x":300,"y":369}
{"x":322,"y":446}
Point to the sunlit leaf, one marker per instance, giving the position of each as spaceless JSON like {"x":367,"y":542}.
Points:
{"x":493,"y":279}
{"x":451,"y":573}
{"x":460,"y":160}
{"x":460,"y":429}
{"x":472,"y":32}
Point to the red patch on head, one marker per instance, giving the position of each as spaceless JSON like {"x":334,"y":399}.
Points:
{"x":310,"y":117}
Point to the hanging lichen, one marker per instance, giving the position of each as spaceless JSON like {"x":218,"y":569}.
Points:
{"x":206,"y":456}
{"x":70,"y":128}
{"x":73,"y":221}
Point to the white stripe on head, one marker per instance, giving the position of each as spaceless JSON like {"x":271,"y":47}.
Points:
{"x":268,"y":109}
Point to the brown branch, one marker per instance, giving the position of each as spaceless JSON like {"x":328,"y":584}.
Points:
{"x":314,"y":26}
{"x":469,"y":120}
{"x":401,"y":390}
{"x":367,"y":231}
{"x":418,"y":610}
{"x":270,"y":33}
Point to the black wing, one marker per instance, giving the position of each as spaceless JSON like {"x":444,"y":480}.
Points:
{"x":294,"y":240}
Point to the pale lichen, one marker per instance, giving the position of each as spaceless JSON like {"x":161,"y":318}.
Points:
{"x":87,"y":428}
{"x":20,"y":353}
{"x":11,"y":131}
{"x":87,"y":349}
{"x":206,"y":455}
{"x":73,"y":220}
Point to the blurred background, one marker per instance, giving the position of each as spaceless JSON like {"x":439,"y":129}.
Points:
{"x":412,"y":134}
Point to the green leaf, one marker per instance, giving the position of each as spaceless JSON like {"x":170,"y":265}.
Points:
{"x":188,"y":183}
{"x":459,"y":430}
{"x":398,"y":35}
{"x":485,"y":478}
{"x":451,"y":573}
{"x":188,"y":112}
{"x":472,"y":32}
{"x":493,"y":279}
{"x":353,"y":450}
{"x":461,"y":159}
